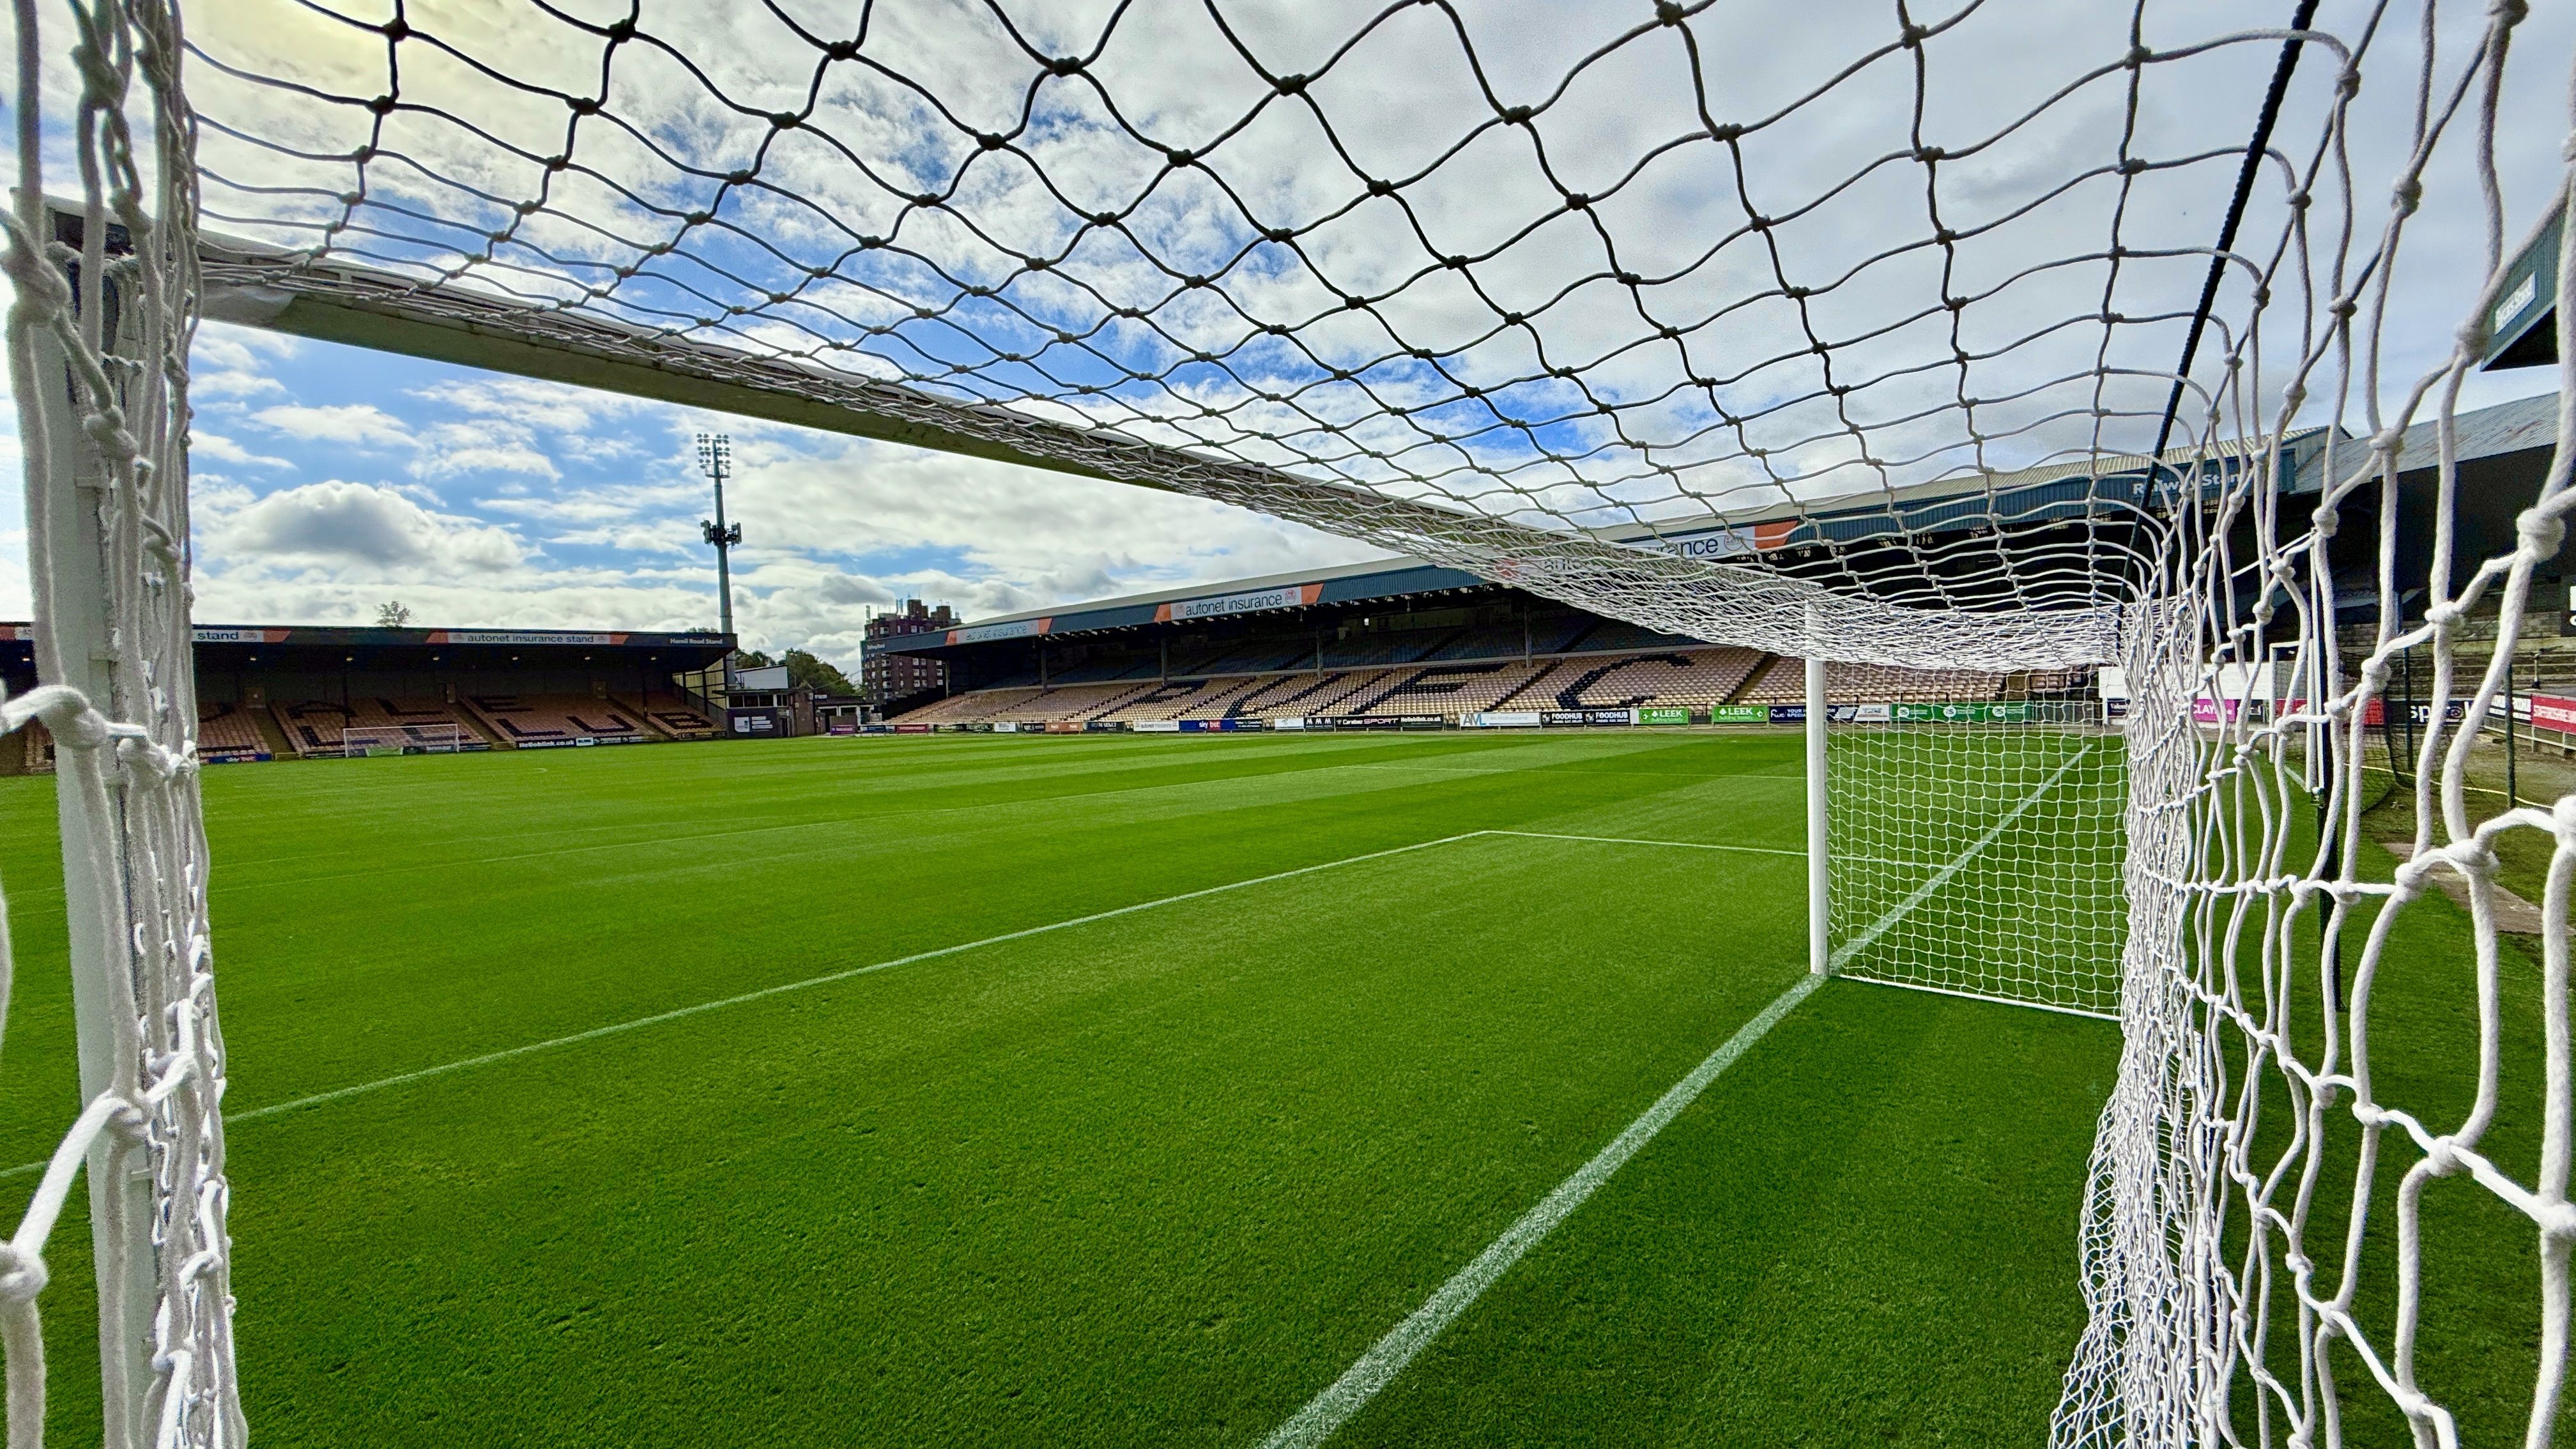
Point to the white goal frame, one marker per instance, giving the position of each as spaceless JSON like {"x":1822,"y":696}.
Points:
{"x":434,"y":737}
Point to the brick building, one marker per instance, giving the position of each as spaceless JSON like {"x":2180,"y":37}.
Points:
{"x":884,"y":676}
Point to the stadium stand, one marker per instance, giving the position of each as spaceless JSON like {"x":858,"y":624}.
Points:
{"x":1200,"y":698}
{"x":1297,"y":695}
{"x":1698,"y":679}
{"x":227,"y":733}
{"x":1498,"y":641}
{"x":1438,"y":689}
{"x":670,"y":716}
{"x":314,"y":727}
{"x":1785,"y":682}
{"x":537,"y":721}
{"x":1618,"y":635}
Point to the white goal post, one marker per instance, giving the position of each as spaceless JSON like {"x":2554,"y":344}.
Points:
{"x":432,"y":737}
{"x":1919,"y":345}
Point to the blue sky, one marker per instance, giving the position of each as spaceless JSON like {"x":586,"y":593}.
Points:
{"x":329,"y":479}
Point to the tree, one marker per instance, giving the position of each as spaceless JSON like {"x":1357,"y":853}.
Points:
{"x":751,"y":659}
{"x":805,"y":669}
{"x":392,"y":615}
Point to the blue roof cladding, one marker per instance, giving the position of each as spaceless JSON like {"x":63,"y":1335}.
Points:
{"x":1393,"y":583}
{"x":2055,"y":501}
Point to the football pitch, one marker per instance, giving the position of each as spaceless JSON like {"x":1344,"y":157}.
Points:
{"x":1112,"y":1090}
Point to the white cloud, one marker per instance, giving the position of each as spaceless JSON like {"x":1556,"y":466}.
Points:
{"x":363,"y":424}
{"x":448,"y":450}
{"x":340,"y":526}
{"x":203,"y":444}
{"x":222,"y":384}
{"x":231,"y":363}
{"x":576,"y":507}
{"x":530,"y":403}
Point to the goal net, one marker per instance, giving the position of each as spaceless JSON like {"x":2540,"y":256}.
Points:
{"x":2011,"y":338}
{"x":1976,"y":849}
{"x":436,"y":737}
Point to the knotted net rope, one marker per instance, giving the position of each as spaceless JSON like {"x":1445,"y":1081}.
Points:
{"x":98,"y":336}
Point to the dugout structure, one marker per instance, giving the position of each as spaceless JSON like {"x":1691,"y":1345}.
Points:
{"x":1394,"y":275}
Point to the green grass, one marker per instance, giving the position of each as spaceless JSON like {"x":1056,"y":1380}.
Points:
{"x":1154,"y":1179}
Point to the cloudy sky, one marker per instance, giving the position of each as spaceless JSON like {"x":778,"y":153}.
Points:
{"x":329,"y":479}
{"x":1553,"y":264}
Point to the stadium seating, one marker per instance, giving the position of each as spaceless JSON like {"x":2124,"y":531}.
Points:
{"x":538,"y":720}
{"x":1618,"y":635}
{"x":1267,"y":656}
{"x":1492,"y":642}
{"x":1560,"y":634}
{"x":1024,"y":705}
{"x":1785,"y":682}
{"x":229,"y":732}
{"x":671,"y":716}
{"x":1184,"y":698}
{"x":1697,"y":679}
{"x":1297,"y":695}
{"x":314,"y":726}
{"x":1441,"y":688}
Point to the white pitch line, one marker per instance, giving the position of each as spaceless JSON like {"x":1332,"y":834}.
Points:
{"x":1625,"y":840}
{"x":1942,"y":876}
{"x":318,"y":1098}
{"x":1359,"y":1383}
{"x":1690,"y":845}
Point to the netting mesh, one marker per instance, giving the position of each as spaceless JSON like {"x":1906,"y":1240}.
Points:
{"x":1413,"y":276}
{"x":1850,"y":336}
{"x":98,"y":334}
{"x":1976,"y":849}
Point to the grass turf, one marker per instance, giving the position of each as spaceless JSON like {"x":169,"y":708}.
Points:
{"x":1154,"y":1179}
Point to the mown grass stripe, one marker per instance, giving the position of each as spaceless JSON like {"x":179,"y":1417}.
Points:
{"x":1347,"y":1395}
{"x":656,"y":1019}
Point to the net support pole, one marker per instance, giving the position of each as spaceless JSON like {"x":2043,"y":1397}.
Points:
{"x":1819,"y":868}
{"x":75,"y":609}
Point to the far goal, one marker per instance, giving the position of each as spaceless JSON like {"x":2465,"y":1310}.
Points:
{"x":438,"y":737}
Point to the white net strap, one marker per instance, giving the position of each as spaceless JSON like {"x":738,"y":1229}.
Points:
{"x":98,"y":341}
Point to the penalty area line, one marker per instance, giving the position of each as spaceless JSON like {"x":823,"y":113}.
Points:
{"x":595,"y":1033}
{"x":1359,"y":1383}
{"x":1625,"y":840}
